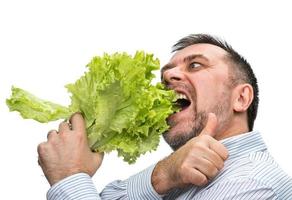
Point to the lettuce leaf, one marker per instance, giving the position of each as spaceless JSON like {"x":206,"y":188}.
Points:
{"x":122,"y":109}
{"x":32,"y":107}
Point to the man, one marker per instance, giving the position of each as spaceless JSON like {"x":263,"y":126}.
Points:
{"x":217,"y":155}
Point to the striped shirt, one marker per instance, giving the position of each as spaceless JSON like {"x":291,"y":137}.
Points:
{"x":250,"y":172}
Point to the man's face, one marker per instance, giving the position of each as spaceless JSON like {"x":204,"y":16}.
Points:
{"x":199,"y":74}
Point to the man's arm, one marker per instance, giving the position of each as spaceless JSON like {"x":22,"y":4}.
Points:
{"x":80,"y":187}
{"x":66,"y":152}
{"x":68,"y":164}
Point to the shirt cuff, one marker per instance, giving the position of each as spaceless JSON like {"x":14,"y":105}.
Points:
{"x":140,"y":187}
{"x":78,"y":186}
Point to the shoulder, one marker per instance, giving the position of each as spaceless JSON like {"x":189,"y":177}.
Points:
{"x":265,"y":170}
{"x":238,"y":188}
{"x":257,"y":174}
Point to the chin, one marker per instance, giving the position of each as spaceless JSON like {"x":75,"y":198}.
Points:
{"x":184,"y":129}
{"x":176,"y":137}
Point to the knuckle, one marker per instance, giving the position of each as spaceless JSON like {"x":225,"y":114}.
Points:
{"x":226,"y":155}
{"x":223,"y":151}
{"x":63,"y":134}
{"x":52,"y":138}
{"x":199,"y":146}
{"x":182,"y":169}
{"x":42,"y":148}
{"x":193,"y":144}
{"x":185,"y":179}
{"x":202,"y":180}
{"x":182,"y":173}
{"x":195,"y":158}
{"x":51,"y":134}
{"x":220,"y":165}
{"x":63,"y":123}
{"x":214,"y":172}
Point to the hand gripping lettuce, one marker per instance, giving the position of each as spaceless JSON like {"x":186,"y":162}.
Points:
{"x":122,"y":110}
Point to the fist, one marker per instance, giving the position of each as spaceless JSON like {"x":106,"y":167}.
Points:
{"x":66,"y":151}
{"x":196,"y":162}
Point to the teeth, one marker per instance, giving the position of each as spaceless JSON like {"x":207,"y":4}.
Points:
{"x":181,"y":96}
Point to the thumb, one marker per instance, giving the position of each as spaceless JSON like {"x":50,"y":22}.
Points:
{"x":210,"y":128}
{"x":98,"y":157}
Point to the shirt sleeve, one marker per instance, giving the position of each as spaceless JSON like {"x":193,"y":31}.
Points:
{"x":240,"y":190}
{"x":81,"y":187}
{"x":78,"y":187}
{"x":136,"y":187}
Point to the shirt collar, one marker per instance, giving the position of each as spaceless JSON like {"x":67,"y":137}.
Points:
{"x":245,"y":143}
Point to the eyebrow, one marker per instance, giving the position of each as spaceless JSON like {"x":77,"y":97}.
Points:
{"x":193,"y":56}
{"x":185,"y":60}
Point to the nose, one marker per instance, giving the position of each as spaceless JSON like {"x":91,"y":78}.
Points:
{"x":172,"y":75}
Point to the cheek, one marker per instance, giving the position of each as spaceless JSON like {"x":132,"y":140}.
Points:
{"x":205,"y":94}
{"x":206,"y":102}
{"x":209,"y":95}
{"x":210,"y":88}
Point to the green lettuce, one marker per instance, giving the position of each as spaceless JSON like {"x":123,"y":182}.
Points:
{"x":122,"y":109}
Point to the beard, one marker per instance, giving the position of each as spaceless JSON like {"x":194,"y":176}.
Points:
{"x":181,"y":131}
{"x":196,"y":125}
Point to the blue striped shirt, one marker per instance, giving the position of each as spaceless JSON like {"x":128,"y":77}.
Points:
{"x":250,"y":172}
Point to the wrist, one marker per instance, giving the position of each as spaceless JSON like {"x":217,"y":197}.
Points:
{"x":57,"y":177}
{"x":66,"y":188}
{"x":160,"y":178}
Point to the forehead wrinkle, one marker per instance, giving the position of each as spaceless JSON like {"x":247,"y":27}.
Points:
{"x":194,"y":56}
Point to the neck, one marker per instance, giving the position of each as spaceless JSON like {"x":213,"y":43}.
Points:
{"x":237,"y":126}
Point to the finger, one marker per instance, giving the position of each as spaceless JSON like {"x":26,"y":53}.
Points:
{"x":219,"y":148}
{"x":98,"y":155}
{"x":195,"y":177}
{"x":214,"y":158}
{"x":207,"y":168}
{"x":64,"y":127}
{"x":210,"y":128}
{"x":98,"y":158}
{"x":77,"y":123}
{"x":51,"y":134}
{"x":39,"y":161}
{"x":42,"y":149}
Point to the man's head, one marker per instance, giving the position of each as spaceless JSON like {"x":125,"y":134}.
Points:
{"x":210,"y":77}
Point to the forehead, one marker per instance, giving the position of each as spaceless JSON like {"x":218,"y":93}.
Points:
{"x":211,"y":52}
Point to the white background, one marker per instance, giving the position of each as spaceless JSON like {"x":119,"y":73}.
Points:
{"x":46,"y":44}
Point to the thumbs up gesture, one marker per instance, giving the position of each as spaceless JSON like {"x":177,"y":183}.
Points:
{"x":196,"y":162}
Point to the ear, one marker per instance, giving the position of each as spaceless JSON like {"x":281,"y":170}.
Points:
{"x":243,"y":96}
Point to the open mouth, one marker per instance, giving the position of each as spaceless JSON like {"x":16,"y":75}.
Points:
{"x":182,"y":101}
